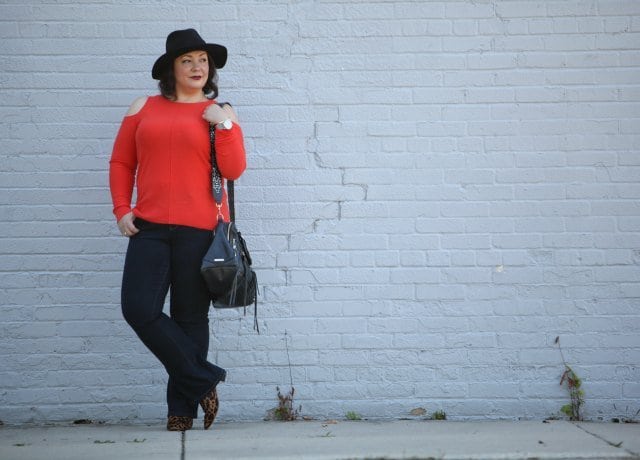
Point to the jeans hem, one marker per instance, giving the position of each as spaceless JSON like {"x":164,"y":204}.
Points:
{"x":222,"y":377}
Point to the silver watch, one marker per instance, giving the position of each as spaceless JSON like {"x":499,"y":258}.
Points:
{"x":225,"y":124}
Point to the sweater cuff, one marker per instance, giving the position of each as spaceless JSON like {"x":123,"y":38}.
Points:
{"x":121,"y":211}
{"x":226,"y":137}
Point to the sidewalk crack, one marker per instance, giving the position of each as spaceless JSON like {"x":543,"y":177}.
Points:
{"x":612,"y":444}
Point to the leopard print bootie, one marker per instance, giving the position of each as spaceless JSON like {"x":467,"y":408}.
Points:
{"x":210,"y":405}
{"x":179,"y":423}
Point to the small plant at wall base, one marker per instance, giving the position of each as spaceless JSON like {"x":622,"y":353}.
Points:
{"x":352,"y":416}
{"x":574,"y":385}
{"x":285,"y":411}
{"x":439,"y":415}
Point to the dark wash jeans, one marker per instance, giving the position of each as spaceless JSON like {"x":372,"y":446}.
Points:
{"x":160,"y":257}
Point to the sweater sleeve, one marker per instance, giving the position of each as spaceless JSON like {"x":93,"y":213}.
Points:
{"x":123,"y":165}
{"x":230,"y":153}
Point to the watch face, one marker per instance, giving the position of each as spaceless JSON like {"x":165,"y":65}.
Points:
{"x":227,"y":124}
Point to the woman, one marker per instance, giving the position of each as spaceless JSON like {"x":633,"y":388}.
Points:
{"x":163,"y":147}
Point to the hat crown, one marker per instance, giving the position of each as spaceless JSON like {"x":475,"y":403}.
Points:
{"x":181,"y":39}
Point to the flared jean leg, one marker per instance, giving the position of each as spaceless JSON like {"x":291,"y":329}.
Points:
{"x":146,"y":280}
{"x":176,"y":403}
{"x":189,"y":304}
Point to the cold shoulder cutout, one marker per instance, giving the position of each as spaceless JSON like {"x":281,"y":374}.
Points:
{"x":137,"y":105}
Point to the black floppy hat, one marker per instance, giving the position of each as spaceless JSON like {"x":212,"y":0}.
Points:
{"x":183,"y":41}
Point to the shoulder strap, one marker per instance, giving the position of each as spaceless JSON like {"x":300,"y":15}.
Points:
{"x":232,"y":205}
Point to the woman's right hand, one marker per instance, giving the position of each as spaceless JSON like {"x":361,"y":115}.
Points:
{"x":215,"y":114}
{"x":125,"y":224}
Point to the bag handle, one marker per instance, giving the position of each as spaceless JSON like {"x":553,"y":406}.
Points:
{"x":216,"y":178}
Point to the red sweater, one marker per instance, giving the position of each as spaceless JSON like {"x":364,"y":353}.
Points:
{"x":165,"y":150}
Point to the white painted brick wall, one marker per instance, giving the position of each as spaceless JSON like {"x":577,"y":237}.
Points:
{"x":436,"y":191}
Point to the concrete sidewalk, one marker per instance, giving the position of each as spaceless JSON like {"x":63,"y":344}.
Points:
{"x":327,"y":440}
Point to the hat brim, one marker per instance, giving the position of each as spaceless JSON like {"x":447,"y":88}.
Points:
{"x":218,"y":54}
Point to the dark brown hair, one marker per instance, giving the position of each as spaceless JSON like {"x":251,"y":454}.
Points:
{"x":167,"y":83}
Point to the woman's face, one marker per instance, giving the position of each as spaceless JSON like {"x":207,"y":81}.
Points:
{"x":191,"y":70}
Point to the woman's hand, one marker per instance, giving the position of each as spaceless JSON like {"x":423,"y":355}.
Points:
{"x":215,"y":114}
{"x":125,"y":224}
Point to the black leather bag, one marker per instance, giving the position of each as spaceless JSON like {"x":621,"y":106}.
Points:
{"x":223,"y":263}
{"x":226,"y":267}
{"x":234,"y":272}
